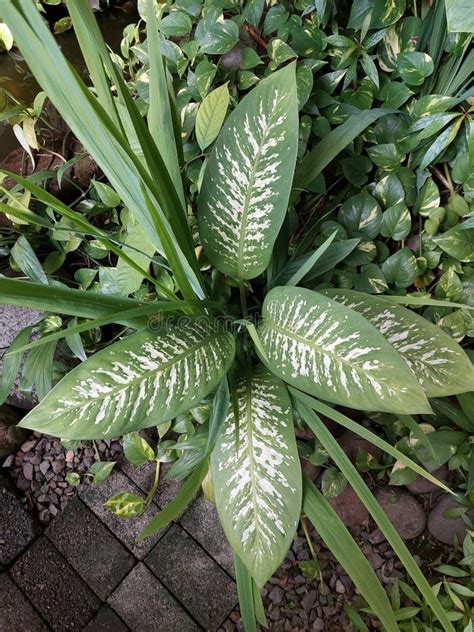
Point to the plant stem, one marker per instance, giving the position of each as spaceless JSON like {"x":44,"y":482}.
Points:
{"x":152,"y":491}
{"x":314,"y":555}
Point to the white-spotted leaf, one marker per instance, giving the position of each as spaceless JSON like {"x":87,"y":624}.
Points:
{"x":438,"y":362}
{"x":256,"y":475}
{"x":332,"y":352}
{"x":247,"y":183}
{"x":143,"y":380}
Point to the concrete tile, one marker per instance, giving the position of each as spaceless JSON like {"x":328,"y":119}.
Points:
{"x":99,"y":558}
{"x":16,"y":612}
{"x":202,"y":522}
{"x":194,"y":577}
{"x":106,"y":620}
{"x":146,"y":606}
{"x":143,"y":476}
{"x":16,"y":526}
{"x":58,"y":593}
{"x":127,"y":531}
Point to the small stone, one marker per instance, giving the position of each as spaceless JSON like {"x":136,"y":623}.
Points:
{"x":276,"y":595}
{"x":311,"y":471}
{"x":318,"y":624}
{"x":308,"y":600}
{"x":57,"y":466}
{"x":22,"y":483}
{"x":352,"y":444}
{"x":69,"y":456}
{"x":349,"y":507}
{"x":44,"y":515}
{"x":423,"y":486}
{"x":340,"y":587}
{"x":404,"y":511}
{"x":28,"y":445}
{"x":444,"y":529}
{"x":44,"y":467}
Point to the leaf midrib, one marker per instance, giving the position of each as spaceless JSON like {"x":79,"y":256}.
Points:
{"x":318,"y":348}
{"x":248,"y":196}
{"x":149,"y":373}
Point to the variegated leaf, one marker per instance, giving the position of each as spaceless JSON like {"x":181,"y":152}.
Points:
{"x":334,"y":353}
{"x":256,"y":474}
{"x":143,"y":380}
{"x":247,"y":183}
{"x":439,"y":363}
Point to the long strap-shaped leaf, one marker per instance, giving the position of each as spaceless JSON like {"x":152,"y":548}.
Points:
{"x":344,"y":548}
{"x":256,"y":475}
{"x":332,"y":145}
{"x":160,"y":121}
{"x":143,"y":380}
{"x":346,"y":422}
{"x":83,"y":224}
{"x":245,"y":592}
{"x":347,"y":468}
{"x":59,"y":299}
{"x":334,"y":353}
{"x":245,"y":191}
{"x":104,"y":141}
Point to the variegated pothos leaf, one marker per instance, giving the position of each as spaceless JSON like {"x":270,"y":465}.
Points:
{"x":256,"y":474}
{"x":143,"y":380}
{"x":247,"y":183}
{"x":439,"y":363}
{"x":334,"y":353}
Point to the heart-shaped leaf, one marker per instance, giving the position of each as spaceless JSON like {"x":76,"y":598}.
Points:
{"x":248,"y":178}
{"x":256,"y":475}
{"x":143,"y":380}
{"x":334,"y":353}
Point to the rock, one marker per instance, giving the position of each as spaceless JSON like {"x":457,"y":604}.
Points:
{"x":447,"y":529}
{"x":11,"y":437}
{"x":404,"y":511}
{"x":349,"y":507}
{"x":276,"y":595}
{"x":12,"y":321}
{"x":86,"y":168}
{"x":422,"y":486}
{"x":28,"y":471}
{"x":308,"y":600}
{"x":352,"y":444}
{"x":340,"y":588}
{"x":311,"y":471}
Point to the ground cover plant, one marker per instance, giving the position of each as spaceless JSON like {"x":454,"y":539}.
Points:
{"x":229,"y":325}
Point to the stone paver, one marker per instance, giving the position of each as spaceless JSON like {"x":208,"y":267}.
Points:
{"x":206,"y":591}
{"x":146,"y":606}
{"x":90,"y":548}
{"x":106,"y":620}
{"x":54,"y":588}
{"x":144,"y":475}
{"x":16,"y":612}
{"x":127,"y":531}
{"x":14,"y":319}
{"x":202,"y":522}
{"x":16,"y":525}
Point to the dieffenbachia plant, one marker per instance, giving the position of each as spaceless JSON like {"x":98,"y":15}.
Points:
{"x":307,"y":349}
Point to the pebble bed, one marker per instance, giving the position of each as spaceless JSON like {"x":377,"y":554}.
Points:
{"x":40,"y":467}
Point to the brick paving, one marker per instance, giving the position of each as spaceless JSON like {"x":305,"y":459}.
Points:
{"x":89,"y":572}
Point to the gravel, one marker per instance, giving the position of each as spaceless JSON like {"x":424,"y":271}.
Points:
{"x":41,"y":465}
